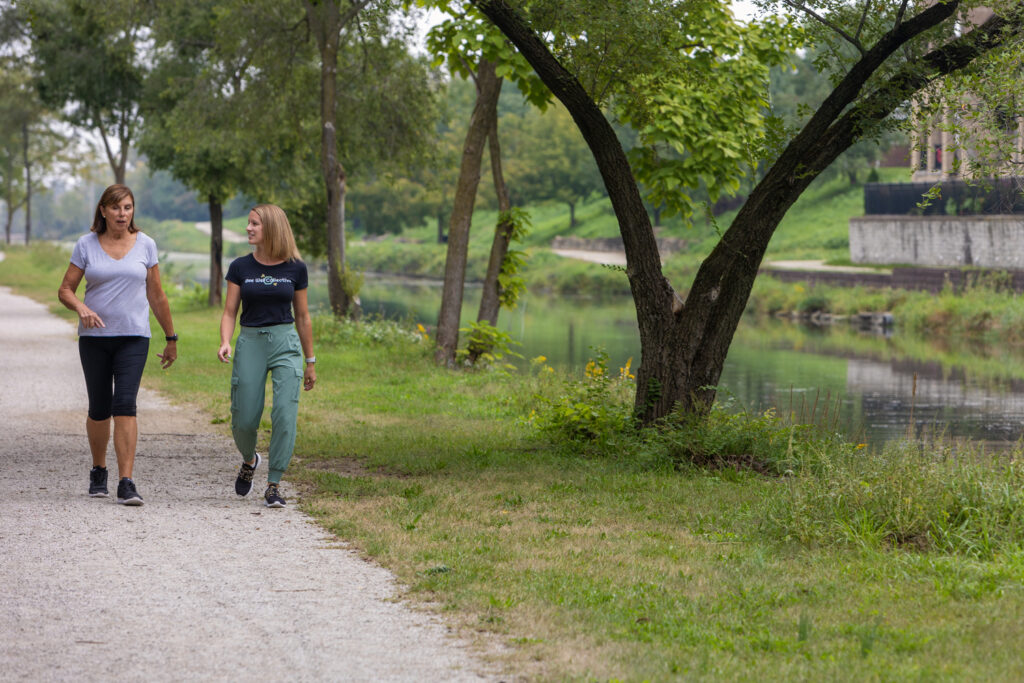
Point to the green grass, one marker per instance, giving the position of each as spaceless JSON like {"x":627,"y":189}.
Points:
{"x":619,"y":560}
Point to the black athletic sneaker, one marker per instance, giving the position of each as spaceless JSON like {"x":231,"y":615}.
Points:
{"x":243,"y":484}
{"x":273,"y":497}
{"x":98,"y":482}
{"x":126,"y":493}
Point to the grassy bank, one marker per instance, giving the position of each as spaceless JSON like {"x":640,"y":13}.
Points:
{"x":513,"y":505}
{"x":984,"y":312}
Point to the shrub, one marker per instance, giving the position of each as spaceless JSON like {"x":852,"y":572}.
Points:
{"x":332,"y":332}
{"x":595,"y":408}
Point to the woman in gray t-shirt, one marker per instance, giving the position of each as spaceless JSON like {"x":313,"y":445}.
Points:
{"x":122,"y":283}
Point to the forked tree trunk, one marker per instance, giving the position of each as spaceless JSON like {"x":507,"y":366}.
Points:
{"x":488,"y":90}
{"x":216,"y":251}
{"x":490,"y":297}
{"x":684,"y":344}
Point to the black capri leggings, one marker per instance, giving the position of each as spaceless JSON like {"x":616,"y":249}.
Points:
{"x":113,"y":369}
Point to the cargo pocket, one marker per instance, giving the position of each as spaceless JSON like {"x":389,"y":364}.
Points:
{"x":300,"y":375}
{"x":234,"y":395}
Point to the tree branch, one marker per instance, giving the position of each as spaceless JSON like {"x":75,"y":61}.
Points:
{"x":355,"y":9}
{"x":825,"y":22}
{"x":850,"y":86}
{"x":899,"y":15}
{"x":863,"y":18}
{"x":940,"y":62}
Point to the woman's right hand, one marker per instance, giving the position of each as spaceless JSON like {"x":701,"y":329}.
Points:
{"x":89,"y":318}
{"x":224,"y":353}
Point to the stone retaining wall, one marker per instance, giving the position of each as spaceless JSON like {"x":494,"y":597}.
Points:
{"x":986,"y":241}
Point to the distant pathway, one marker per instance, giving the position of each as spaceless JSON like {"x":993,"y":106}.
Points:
{"x":608,"y":258}
{"x":198,"y":584}
{"x":228,"y":236}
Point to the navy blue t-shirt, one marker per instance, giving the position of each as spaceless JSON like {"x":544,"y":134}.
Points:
{"x":267,"y":291}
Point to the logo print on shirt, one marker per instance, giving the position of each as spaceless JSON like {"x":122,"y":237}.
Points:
{"x":266,"y":280}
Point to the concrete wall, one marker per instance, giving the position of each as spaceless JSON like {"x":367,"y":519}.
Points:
{"x":987,"y":241}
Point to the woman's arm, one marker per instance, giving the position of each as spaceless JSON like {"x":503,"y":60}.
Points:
{"x":67,"y":295}
{"x":162,"y":310}
{"x":304,"y":326}
{"x":227,"y":320}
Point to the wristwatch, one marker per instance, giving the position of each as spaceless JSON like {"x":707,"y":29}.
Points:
{"x":172,"y":337}
{"x":311,"y":359}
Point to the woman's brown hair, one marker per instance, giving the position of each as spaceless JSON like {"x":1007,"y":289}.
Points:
{"x":278,"y":240}
{"x":111,"y":197}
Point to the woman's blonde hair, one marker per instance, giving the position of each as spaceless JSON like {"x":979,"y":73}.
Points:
{"x":278,"y":240}
{"x":112,"y":196}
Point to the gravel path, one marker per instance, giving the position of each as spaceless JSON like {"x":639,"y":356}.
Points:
{"x":197,"y":584}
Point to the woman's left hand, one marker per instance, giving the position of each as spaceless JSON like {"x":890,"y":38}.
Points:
{"x":169,"y":355}
{"x":309,"y":377}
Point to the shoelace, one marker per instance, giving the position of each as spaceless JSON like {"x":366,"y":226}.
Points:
{"x":271,"y":492}
{"x":246,"y":472}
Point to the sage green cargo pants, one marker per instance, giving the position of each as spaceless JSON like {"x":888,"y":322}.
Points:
{"x":259,"y":350}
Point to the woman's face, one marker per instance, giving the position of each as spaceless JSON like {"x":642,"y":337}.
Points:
{"x":118,"y":216}
{"x":254,"y":229}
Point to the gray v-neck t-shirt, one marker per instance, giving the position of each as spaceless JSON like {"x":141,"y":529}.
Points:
{"x":115,"y":289}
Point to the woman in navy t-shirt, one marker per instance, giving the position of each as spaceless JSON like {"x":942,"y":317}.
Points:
{"x":276,"y":337}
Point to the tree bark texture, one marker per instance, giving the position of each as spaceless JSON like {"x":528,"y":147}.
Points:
{"x":684,"y":344}
{"x":488,"y":90}
{"x":216,"y":251}
{"x":490,"y":297}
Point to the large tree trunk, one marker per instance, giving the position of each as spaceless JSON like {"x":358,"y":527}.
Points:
{"x":7,"y":222}
{"x":117,"y":164}
{"x":683,"y":345}
{"x":326,"y":22}
{"x":8,"y":200}
{"x":216,"y":250}
{"x":490,"y":298}
{"x":28,"y":183}
{"x":488,"y":90}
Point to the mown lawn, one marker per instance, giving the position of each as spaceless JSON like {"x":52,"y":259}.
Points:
{"x":613,"y":562}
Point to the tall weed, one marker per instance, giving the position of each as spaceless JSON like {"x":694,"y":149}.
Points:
{"x":906,"y":496}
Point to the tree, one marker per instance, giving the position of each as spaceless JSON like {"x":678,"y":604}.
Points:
{"x":474,"y":50}
{"x":197,"y":100}
{"x":28,"y":142}
{"x":560,"y":168}
{"x":895,"y":54}
{"x":90,"y":65}
{"x":327,"y":20}
{"x":385,"y":102}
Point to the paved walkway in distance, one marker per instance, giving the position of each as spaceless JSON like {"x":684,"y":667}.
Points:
{"x":197,"y":584}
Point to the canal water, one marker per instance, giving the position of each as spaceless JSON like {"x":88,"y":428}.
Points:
{"x":873,"y":386}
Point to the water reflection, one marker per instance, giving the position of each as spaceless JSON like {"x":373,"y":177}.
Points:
{"x":870,"y":386}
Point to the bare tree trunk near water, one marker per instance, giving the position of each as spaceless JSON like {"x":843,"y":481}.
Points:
{"x":490,"y":298}
{"x":488,"y":87}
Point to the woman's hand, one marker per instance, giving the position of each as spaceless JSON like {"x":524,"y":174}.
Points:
{"x":169,"y":355}
{"x":309,"y":376}
{"x":224,"y":352}
{"x":89,"y":318}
